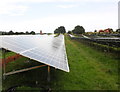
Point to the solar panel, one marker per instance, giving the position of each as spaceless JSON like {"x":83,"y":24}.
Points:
{"x":49,"y":50}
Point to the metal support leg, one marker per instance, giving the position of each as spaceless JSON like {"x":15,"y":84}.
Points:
{"x":4,"y":64}
{"x":48,"y":78}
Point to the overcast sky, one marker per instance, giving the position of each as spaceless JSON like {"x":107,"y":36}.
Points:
{"x":119,"y":14}
{"x":47,"y":15}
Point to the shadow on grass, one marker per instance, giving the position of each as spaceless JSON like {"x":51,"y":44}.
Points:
{"x":35,"y":79}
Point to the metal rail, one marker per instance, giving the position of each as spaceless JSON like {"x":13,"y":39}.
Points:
{"x":22,"y":70}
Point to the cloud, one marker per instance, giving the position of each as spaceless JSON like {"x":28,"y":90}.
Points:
{"x":90,"y":21}
{"x":69,"y":0}
{"x":119,"y":14}
{"x":48,"y":24}
{"x":67,"y":6}
{"x":18,"y":1}
{"x":16,"y":7}
{"x":12,"y":8}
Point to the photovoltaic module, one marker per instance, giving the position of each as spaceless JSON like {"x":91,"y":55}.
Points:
{"x":46,"y":49}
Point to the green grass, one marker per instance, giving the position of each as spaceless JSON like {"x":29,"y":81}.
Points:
{"x":10,"y":54}
{"x":7,"y":54}
{"x":89,"y":70}
{"x":0,"y":54}
{"x":25,"y":80}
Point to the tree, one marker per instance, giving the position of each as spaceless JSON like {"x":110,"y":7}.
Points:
{"x":60,"y":29}
{"x":32,"y":32}
{"x":56,"y":31}
{"x":26,"y":32}
{"x":21,"y":33}
{"x":10,"y":32}
{"x":95,"y":31}
{"x":78,"y":30}
{"x":69,"y":32}
{"x":110,"y":30}
{"x":3,"y":33}
{"x":118,"y":30}
{"x":16,"y":33}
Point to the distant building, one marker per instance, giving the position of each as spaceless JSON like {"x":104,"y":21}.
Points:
{"x":101,"y":31}
{"x":41,"y":32}
{"x":106,"y":31}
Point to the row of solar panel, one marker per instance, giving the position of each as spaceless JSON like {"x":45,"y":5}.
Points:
{"x":45,"y":49}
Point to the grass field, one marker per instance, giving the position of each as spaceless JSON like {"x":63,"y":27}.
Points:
{"x":89,"y":70}
{"x":6,"y":55}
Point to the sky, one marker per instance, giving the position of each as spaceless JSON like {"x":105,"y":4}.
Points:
{"x":47,"y":15}
{"x":119,"y":14}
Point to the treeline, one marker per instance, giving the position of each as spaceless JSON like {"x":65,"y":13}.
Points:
{"x":77,"y":30}
{"x":80,"y":30}
{"x":16,"y":33}
{"x":118,"y":30}
{"x":60,"y":29}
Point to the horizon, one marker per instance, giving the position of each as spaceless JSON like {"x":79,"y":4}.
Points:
{"x":47,"y":15}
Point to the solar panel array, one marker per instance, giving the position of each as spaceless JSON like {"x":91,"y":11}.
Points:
{"x":49,"y":50}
